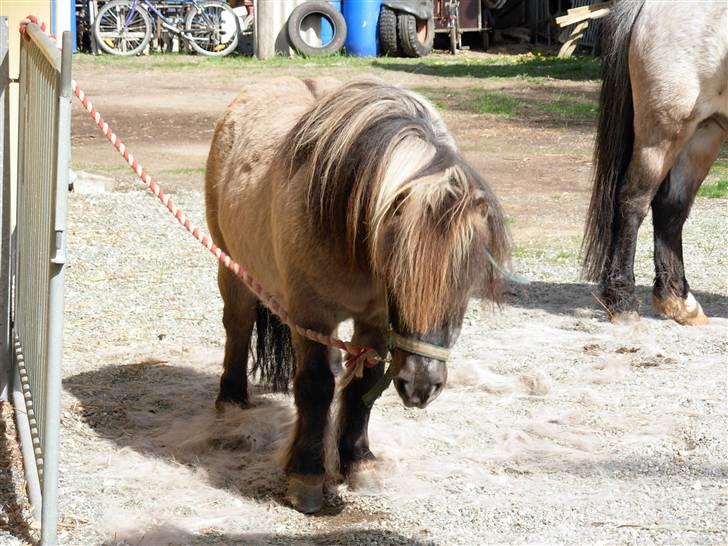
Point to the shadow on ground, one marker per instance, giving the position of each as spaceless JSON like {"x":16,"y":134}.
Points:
{"x":167,"y":411}
{"x":573,"y":299}
{"x":575,"y":68}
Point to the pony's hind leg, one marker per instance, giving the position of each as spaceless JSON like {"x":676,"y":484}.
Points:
{"x":353,"y":417}
{"x":655,"y":149}
{"x":313,"y":390}
{"x":238,"y":319}
{"x":670,"y":209}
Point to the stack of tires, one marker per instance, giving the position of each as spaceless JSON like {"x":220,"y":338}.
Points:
{"x":405,"y":31}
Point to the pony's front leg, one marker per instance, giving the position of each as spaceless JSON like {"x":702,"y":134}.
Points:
{"x":353,"y":415}
{"x":313,"y":389}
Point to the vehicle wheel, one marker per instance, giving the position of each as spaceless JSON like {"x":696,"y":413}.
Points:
{"x":416,"y":36}
{"x":316,"y":9}
{"x":118,"y":31}
{"x":388,"y":32}
{"x":213,"y":28}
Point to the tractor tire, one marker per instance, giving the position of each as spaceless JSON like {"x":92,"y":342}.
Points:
{"x":388,"y":33}
{"x":416,"y":36}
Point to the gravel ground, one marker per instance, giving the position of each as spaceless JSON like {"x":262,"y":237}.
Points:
{"x":556,"y":427}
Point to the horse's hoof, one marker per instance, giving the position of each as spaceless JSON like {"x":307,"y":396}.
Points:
{"x":625,"y":317}
{"x":683,"y":311}
{"x":305,"y":493}
{"x":222,"y":403}
{"x":364,"y":475}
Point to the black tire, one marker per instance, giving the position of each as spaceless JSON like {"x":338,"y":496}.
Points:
{"x":414,"y":45}
{"x":130,"y":40}
{"x":326,"y":11}
{"x":214,"y":29}
{"x":388,"y":32}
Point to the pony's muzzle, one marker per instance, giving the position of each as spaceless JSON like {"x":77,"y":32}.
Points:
{"x":419,"y":379}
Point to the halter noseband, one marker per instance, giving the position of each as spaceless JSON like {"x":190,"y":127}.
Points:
{"x":418,"y":347}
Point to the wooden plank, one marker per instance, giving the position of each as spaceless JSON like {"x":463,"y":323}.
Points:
{"x":567,"y":50}
{"x":567,"y":20}
{"x":575,"y":15}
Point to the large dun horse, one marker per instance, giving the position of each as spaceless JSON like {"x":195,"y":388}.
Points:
{"x":345,"y":202}
{"x":663,"y":117}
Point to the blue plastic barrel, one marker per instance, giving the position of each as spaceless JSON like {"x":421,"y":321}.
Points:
{"x":362,"y":20}
{"x":327,"y":30}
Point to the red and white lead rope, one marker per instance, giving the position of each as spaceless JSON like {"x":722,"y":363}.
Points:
{"x":359,"y":356}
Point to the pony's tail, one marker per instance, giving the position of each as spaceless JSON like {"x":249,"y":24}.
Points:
{"x":273,"y":350}
{"x":614,"y":140}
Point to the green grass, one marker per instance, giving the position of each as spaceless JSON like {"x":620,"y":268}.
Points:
{"x":101,"y":168}
{"x":716,"y":183}
{"x":557,"y":106}
{"x":184,"y":170}
{"x":571,"y":108}
{"x":492,"y":66}
{"x":496,"y":103}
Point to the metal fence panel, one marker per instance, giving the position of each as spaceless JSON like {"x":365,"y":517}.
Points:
{"x":43,"y":162}
{"x":5,"y":213}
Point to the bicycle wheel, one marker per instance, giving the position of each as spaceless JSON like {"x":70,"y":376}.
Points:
{"x":212,"y":28}
{"x":122,"y":28}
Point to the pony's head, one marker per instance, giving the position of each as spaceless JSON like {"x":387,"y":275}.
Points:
{"x":381,"y":164}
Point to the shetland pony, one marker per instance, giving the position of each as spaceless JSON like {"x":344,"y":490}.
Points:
{"x":345,"y":202}
{"x":663,"y":117}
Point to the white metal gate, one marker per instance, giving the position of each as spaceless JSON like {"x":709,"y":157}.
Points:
{"x":36,"y":268}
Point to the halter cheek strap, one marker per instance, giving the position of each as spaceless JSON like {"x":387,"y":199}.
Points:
{"x":419,"y":347}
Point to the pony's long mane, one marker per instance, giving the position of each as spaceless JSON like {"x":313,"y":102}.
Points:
{"x":384,"y":181}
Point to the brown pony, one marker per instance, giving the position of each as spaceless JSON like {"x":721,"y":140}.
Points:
{"x":345,"y":202}
{"x":663,"y":117}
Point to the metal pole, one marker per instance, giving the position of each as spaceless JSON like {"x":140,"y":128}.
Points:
{"x":51,"y":445}
{"x":265,"y":43}
{"x":5,"y":211}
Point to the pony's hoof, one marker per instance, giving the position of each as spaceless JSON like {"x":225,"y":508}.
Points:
{"x":222,"y":403}
{"x":305,"y":493}
{"x":625,"y":317}
{"x":683,"y":311}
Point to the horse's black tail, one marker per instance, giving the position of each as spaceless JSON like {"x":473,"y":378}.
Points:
{"x":273,"y":350}
{"x":615,"y":137}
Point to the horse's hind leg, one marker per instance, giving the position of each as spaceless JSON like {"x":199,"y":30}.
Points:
{"x":670,"y":209}
{"x":353,"y":415}
{"x":656,"y":147}
{"x":238,"y":319}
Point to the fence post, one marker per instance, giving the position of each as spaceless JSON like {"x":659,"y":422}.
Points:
{"x":5,"y":213}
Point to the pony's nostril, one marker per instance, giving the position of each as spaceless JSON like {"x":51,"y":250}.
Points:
{"x":435,"y":389}
{"x":400,"y":384}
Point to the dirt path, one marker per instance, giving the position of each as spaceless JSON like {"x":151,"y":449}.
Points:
{"x":555,"y":426}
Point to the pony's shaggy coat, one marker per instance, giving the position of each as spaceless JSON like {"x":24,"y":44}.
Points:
{"x":383,"y":179}
{"x":343,"y":202}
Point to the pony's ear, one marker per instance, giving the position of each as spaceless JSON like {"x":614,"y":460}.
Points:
{"x":480,"y":203}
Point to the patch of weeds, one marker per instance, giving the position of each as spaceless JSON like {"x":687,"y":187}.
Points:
{"x":500,"y":104}
{"x":570,"y":107}
{"x":716,"y":183}
{"x":472,"y":100}
{"x":100,"y":168}
{"x":718,"y":190}
{"x":184,"y":170}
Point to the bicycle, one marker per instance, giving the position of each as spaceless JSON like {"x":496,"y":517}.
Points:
{"x":124,"y":27}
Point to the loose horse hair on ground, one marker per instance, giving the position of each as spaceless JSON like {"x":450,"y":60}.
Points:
{"x":614,"y":140}
{"x":384,"y":179}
